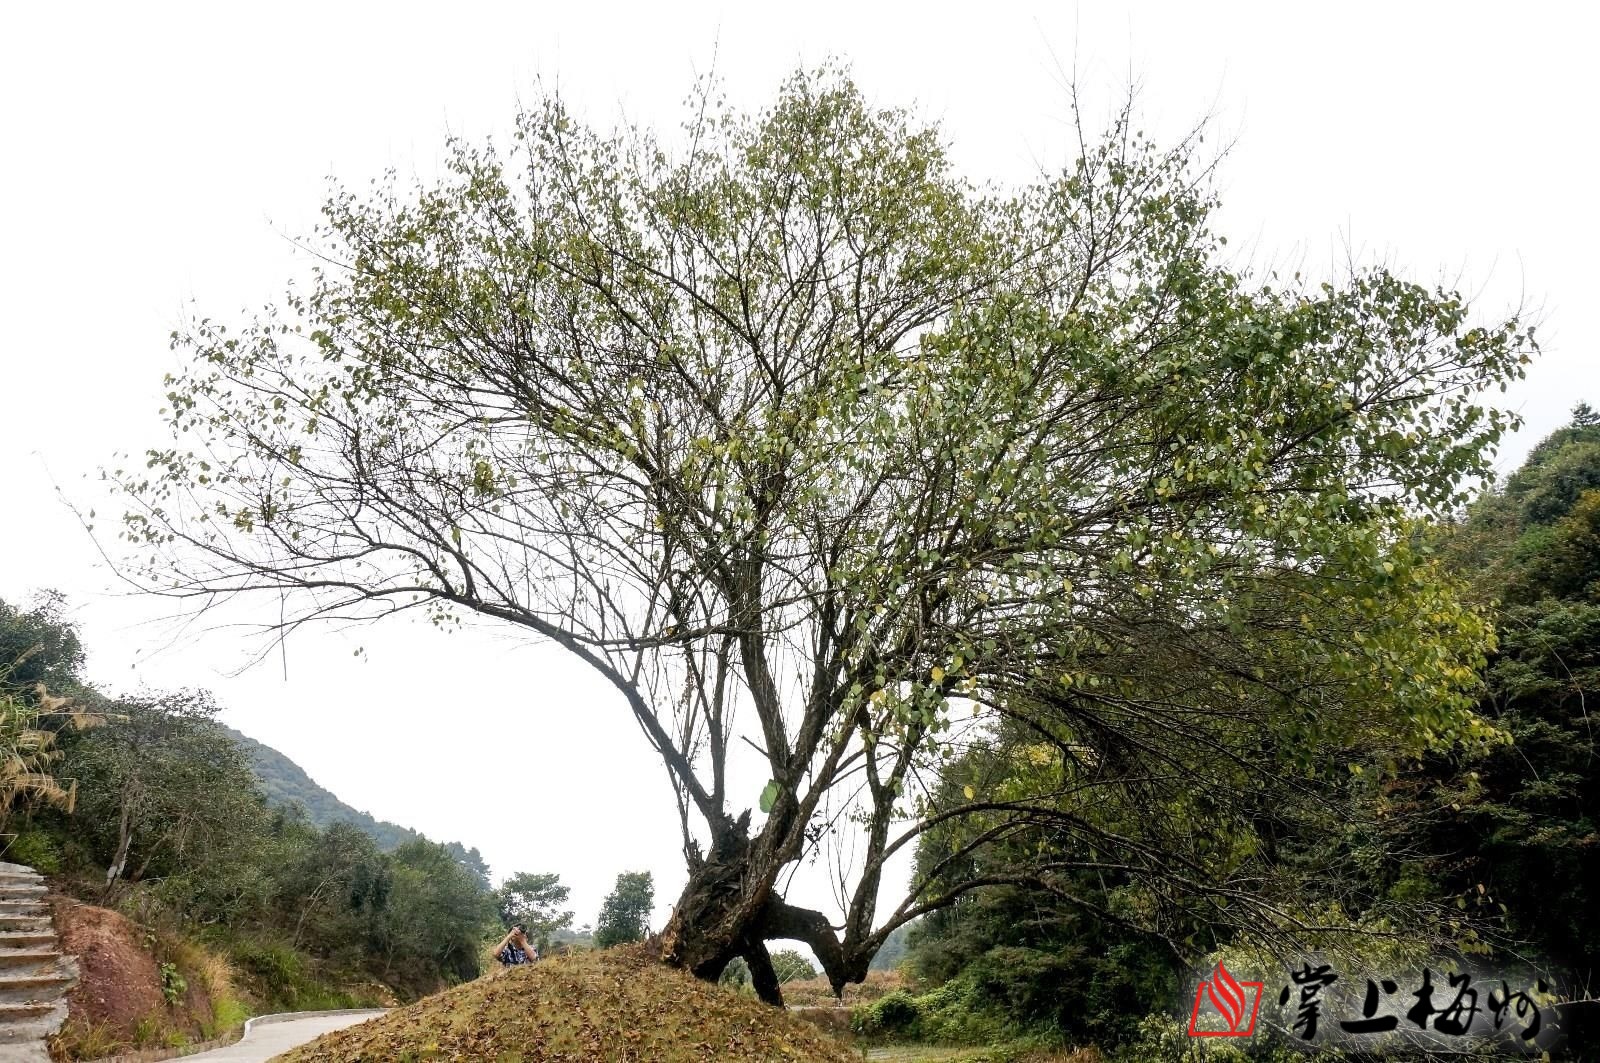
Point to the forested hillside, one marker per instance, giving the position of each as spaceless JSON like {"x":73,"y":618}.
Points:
{"x":240,"y":875}
{"x":285,"y":783}
{"x":1494,"y":848}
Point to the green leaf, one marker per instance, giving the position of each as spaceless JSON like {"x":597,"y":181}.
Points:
{"x":769,"y":797}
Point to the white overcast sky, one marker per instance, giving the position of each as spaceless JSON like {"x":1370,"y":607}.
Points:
{"x":154,"y":153}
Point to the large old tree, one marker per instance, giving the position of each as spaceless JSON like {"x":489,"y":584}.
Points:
{"x":812,"y":448}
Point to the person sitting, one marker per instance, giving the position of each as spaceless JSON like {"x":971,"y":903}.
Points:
{"x":514,"y":948}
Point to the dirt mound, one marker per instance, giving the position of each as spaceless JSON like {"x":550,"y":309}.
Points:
{"x":612,"y":1005}
{"x":119,"y":982}
{"x":135,"y":989}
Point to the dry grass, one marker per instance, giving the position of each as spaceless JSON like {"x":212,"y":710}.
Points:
{"x":612,"y":1005}
{"x":917,"y":1054}
{"x":815,"y":992}
{"x":81,"y":1039}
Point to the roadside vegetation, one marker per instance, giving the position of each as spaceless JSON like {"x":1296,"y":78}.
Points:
{"x":198,"y":900}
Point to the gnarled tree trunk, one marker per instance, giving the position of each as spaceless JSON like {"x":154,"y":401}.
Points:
{"x":729,"y":908}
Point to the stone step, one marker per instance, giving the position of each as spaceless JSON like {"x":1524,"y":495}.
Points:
{"x":24,"y":922}
{"x":29,"y":961}
{"x":33,"y":988}
{"x":32,"y":1022}
{"x":34,"y":976}
{"x":24,"y":1011}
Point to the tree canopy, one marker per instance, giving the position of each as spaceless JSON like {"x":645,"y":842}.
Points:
{"x":534,"y":900}
{"x":808,"y":445}
{"x":165,"y":787}
{"x":625,"y":914}
{"x":1494,"y":845}
{"x":1512,"y":836}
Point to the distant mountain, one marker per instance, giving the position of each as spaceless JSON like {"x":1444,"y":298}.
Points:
{"x":286,"y":783}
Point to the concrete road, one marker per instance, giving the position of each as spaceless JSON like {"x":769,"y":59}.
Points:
{"x":263,"y":1040}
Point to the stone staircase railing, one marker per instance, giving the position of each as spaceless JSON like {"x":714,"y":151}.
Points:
{"x":34,"y":975}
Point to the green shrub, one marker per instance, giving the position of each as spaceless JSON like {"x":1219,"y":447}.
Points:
{"x":1165,"y":1039}
{"x":285,"y":979}
{"x":961,"y":1012}
{"x":36,"y":849}
{"x":279,"y":967}
{"x":791,"y":966}
{"x":890,"y":1017}
{"x":953,"y":1014}
{"x":736,"y":976}
{"x":173,"y":984}
{"x":1027,"y":984}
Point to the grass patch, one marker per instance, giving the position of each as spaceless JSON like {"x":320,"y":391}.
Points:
{"x":87,"y":1040}
{"x":218,"y":1007}
{"x":283,"y":979}
{"x":615,"y":1004}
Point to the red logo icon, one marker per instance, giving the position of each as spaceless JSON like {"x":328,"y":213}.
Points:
{"x":1231,"y":1000}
